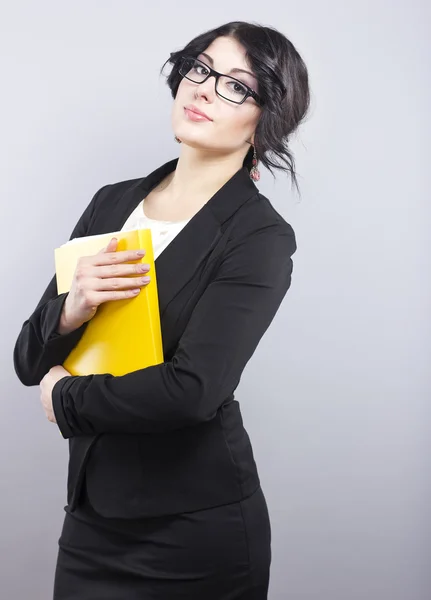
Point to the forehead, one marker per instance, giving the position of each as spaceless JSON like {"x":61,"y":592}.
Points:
{"x":227,"y":53}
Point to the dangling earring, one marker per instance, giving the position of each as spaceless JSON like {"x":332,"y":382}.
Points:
{"x":254,"y":171}
{"x":177,"y":139}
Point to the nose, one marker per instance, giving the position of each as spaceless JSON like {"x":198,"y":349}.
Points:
{"x":206,"y":90}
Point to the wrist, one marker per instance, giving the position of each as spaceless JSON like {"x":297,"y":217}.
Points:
{"x":65,"y":325}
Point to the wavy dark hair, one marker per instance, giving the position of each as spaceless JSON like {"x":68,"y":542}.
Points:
{"x":283,"y":87}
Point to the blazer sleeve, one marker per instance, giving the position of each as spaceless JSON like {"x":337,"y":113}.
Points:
{"x":223,"y":332}
{"x":39,"y":346}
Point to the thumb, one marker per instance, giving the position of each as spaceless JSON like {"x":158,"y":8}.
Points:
{"x":111,"y":247}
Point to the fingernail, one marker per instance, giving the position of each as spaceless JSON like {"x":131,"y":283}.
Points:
{"x":140,"y":253}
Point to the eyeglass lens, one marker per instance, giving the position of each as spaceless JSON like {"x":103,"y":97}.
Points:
{"x":229,"y":88}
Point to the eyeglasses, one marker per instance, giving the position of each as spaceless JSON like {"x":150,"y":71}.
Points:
{"x":226,"y":86}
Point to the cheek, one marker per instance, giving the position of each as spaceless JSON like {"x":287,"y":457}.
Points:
{"x":238,"y":122}
{"x":182,"y":98}
{"x":185,"y":92}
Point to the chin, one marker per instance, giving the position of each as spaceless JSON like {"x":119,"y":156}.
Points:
{"x":195,"y":139}
{"x":196,"y":135}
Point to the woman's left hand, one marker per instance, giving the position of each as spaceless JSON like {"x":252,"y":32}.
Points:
{"x":54,"y":374}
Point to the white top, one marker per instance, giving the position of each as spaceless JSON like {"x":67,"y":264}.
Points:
{"x":162,"y":232}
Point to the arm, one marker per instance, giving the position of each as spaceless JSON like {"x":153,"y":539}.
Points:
{"x":223,"y":332}
{"x":40,"y":346}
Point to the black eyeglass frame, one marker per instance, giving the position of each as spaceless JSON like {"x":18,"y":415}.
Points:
{"x":212,"y":73}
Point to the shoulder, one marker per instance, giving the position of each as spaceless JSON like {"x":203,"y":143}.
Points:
{"x":258,"y":224}
{"x":110,"y":199}
{"x":114,"y":191}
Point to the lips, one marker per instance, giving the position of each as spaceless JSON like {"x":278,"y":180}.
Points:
{"x":195,"y":114}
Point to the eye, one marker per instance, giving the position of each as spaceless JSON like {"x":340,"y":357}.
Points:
{"x":237,"y":87}
{"x":200,"y":69}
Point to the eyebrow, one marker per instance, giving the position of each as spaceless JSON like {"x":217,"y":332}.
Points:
{"x":210,"y":60}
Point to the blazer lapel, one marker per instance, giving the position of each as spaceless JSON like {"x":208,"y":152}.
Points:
{"x":178,"y":263}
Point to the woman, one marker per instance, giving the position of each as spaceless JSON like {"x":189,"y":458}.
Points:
{"x":164,"y":499}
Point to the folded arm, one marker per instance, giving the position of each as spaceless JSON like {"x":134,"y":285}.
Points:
{"x":223,"y":332}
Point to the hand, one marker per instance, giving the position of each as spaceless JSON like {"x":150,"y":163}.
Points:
{"x":100,"y":278}
{"x":54,"y":374}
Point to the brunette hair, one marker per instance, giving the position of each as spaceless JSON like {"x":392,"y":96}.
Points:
{"x":283,"y":87}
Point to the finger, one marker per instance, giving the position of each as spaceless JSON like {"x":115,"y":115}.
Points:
{"x":98,"y":298}
{"x":119,"y":283}
{"x":111,"y":247}
{"x":118,"y":270}
{"x":108,"y":258}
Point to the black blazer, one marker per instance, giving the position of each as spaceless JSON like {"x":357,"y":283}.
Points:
{"x":169,"y":438}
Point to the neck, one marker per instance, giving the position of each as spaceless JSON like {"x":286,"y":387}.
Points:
{"x":199,"y":174}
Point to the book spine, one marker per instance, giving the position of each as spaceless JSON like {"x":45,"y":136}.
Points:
{"x":145,"y":242}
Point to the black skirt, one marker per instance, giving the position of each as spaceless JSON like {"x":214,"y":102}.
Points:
{"x":221,"y":553}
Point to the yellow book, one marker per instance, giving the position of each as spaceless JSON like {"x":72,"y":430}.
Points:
{"x":124,"y":335}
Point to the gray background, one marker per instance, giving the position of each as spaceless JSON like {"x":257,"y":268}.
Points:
{"x":82,"y":105}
